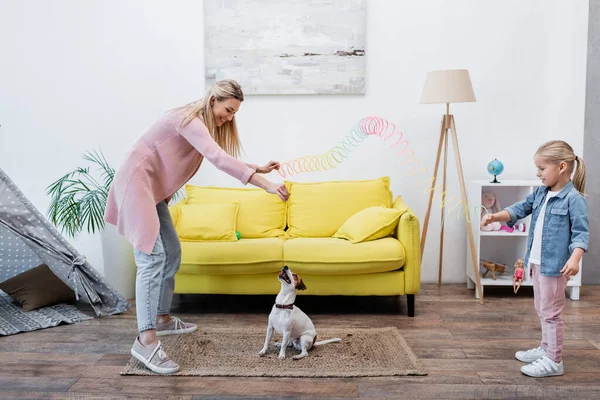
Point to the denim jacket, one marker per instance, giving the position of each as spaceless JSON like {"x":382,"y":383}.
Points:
{"x":568,"y":209}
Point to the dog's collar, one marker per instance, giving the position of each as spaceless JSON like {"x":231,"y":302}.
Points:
{"x":288,"y":306}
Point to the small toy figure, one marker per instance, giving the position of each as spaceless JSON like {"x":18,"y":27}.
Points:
{"x":517,"y":227}
{"x":521,"y":227}
{"x":492,"y":266}
{"x":518,"y":276}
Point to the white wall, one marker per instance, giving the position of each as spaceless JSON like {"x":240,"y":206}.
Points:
{"x":77,"y":76}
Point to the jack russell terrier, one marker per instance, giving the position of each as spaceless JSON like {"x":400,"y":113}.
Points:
{"x":289,"y":321}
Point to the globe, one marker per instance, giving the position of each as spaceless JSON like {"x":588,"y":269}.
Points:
{"x":495,"y":168}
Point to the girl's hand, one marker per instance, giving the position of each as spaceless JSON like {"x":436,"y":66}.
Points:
{"x":279,"y":189}
{"x":571,"y":268}
{"x":487,"y":219}
{"x":270,"y":166}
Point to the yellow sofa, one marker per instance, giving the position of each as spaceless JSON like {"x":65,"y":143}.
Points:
{"x":297,"y":233}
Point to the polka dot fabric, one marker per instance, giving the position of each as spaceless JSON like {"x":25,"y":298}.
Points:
{"x":15,"y":256}
{"x":27,"y":239}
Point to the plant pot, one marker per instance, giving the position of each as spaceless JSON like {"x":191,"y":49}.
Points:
{"x":119,"y":263}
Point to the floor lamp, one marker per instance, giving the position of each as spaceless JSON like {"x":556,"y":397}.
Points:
{"x":450,"y":86}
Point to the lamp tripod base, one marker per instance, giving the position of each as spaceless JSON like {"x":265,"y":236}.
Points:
{"x":448,"y":131}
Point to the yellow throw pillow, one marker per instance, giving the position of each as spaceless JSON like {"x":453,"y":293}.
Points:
{"x":369,"y":224}
{"x":261,"y":214}
{"x":318,"y":209}
{"x":202,"y":222}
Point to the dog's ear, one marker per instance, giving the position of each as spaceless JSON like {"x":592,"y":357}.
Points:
{"x":301,"y":285}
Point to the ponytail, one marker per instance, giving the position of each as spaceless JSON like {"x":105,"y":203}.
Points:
{"x":579,"y":176}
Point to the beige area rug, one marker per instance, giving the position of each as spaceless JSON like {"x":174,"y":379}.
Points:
{"x":234,"y":352}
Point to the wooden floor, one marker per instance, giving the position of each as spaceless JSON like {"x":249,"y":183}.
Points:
{"x":466,"y":348}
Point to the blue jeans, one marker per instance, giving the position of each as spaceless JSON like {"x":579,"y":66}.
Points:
{"x":155,"y":279}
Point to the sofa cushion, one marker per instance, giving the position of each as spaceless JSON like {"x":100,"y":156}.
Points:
{"x":199,"y":222}
{"x":245,"y":256}
{"x":331,"y":256}
{"x":319,"y":209}
{"x":261,"y":214}
{"x":382,"y":284}
{"x":369,"y":224}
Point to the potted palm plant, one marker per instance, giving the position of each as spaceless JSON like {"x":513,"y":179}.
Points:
{"x":78,"y":198}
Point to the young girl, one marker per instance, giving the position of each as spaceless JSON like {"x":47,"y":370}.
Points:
{"x":161,"y":162}
{"x":557,"y":239}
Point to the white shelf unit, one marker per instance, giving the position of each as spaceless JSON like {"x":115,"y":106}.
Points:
{"x":500,"y":246}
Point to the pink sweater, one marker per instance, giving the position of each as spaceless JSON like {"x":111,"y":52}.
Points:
{"x":160,"y":163}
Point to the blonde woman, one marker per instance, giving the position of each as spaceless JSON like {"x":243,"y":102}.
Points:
{"x":160,"y":163}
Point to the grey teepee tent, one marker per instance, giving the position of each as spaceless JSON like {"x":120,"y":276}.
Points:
{"x":27,"y":239}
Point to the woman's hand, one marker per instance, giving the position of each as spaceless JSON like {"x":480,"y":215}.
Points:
{"x":270,"y":187}
{"x":270,"y":166}
{"x":279,"y":189}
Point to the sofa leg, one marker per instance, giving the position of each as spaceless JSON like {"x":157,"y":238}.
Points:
{"x":410,"y":299}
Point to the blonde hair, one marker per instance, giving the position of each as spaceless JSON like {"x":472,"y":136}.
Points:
{"x":227,"y":134}
{"x":558,"y":151}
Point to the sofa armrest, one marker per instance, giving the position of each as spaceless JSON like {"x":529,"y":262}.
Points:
{"x":176,"y":211}
{"x":408,"y":233}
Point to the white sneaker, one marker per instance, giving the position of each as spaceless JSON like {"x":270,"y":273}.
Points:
{"x":154,"y":358}
{"x":175,"y":326}
{"x":543,"y":367}
{"x":530,"y":355}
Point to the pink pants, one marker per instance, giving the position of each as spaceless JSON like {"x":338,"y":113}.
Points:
{"x":549,"y":301}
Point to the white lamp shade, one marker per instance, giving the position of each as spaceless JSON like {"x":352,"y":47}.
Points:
{"x":449,"y":86}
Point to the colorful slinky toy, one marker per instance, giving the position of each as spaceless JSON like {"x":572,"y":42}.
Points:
{"x":368,"y":126}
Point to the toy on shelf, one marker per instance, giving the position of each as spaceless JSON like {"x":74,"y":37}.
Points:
{"x":490,"y":204}
{"x":518,"y":275}
{"x":492,"y":266}
{"x":517,"y":227}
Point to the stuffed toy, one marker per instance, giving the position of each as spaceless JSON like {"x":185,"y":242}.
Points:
{"x":490,"y":202}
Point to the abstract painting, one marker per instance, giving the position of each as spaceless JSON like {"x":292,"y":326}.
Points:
{"x":287,"y":47}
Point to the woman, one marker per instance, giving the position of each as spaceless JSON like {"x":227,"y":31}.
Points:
{"x":161,"y":162}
